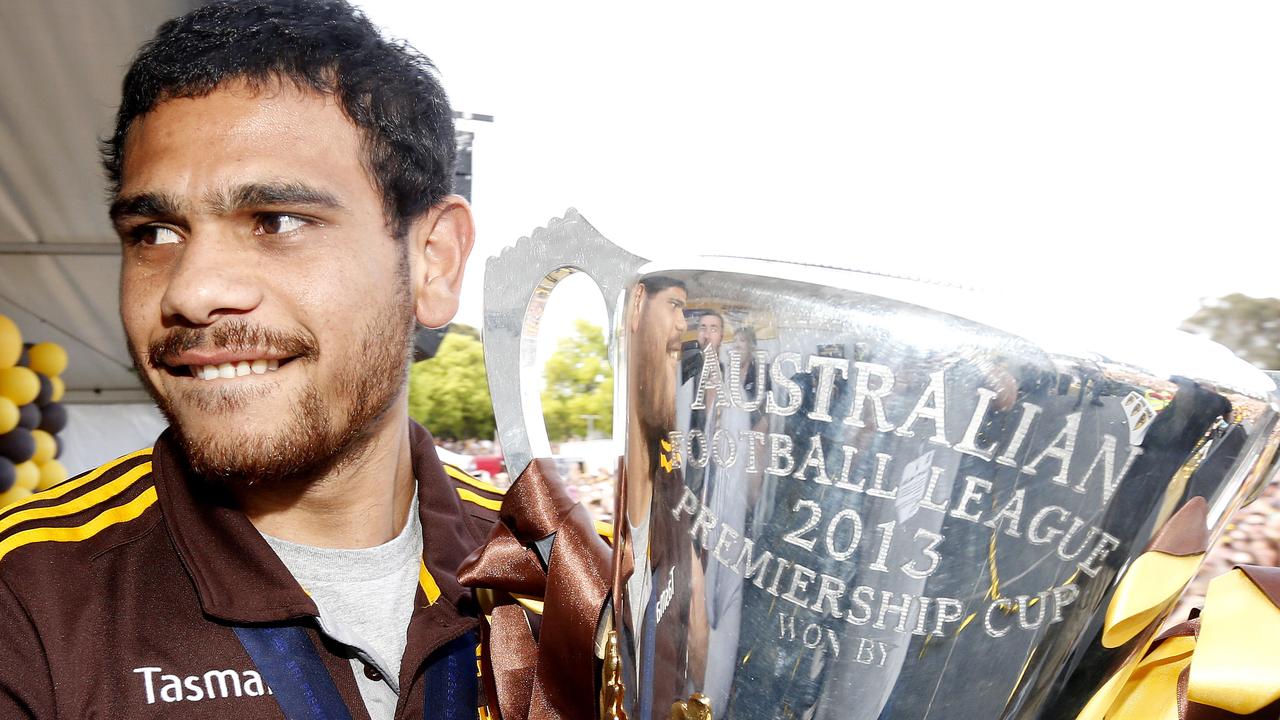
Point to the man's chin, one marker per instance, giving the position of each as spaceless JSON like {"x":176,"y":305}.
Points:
{"x":244,"y":438}
{"x":242,"y":458}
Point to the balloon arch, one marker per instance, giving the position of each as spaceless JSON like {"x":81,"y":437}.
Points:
{"x":31,"y":414}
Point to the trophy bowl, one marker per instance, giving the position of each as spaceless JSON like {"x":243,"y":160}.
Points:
{"x":853,"y":496}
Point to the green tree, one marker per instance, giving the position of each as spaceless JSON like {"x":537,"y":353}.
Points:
{"x":449,"y":392}
{"x":579,"y":384}
{"x":1248,"y":326}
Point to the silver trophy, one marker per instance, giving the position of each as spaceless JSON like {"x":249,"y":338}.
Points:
{"x":849,"y":496}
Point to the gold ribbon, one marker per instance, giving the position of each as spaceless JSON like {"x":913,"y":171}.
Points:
{"x":1237,"y":662}
{"x":1224,"y":664}
{"x":1156,"y":578}
{"x":1151,"y":692}
{"x":1148,"y":589}
{"x":552,"y":677}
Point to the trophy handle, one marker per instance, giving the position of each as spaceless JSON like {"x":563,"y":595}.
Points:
{"x":517,"y":284}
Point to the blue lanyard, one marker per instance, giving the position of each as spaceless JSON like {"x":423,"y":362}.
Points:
{"x":649,"y":636}
{"x":450,"y":684}
{"x":291,"y":667}
{"x":288,"y":661}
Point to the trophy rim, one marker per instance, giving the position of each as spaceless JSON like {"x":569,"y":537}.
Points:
{"x":1054,"y":327}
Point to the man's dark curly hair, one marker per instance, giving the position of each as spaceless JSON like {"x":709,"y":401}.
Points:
{"x":387,"y":89}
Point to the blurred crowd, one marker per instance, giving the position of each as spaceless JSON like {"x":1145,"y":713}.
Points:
{"x":1252,"y":537}
{"x":593,"y":488}
{"x":468,"y":447}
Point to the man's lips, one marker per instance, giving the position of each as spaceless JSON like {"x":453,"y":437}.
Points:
{"x":227,"y":349}
{"x":221,"y":363}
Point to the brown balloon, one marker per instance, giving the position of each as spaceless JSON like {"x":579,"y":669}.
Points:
{"x":53,"y":418}
{"x":18,"y":445}
{"x":29,"y":416}
{"x":8,"y":474}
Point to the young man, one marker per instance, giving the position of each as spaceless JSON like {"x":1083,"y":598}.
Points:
{"x":660,"y":581}
{"x":281,"y":178}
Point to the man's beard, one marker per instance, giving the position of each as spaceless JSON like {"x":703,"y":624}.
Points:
{"x":321,"y":433}
{"x":653,"y":389}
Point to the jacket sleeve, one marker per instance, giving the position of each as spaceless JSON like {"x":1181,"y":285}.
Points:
{"x":26,"y":685}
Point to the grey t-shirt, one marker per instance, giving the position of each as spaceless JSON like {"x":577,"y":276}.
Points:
{"x":365,"y":597}
{"x":638,"y":584}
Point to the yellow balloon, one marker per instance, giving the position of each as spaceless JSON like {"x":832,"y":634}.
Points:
{"x":14,"y":494}
{"x":52,"y":472}
{"x":48,"y":358}
{"x":28,"y":476}
{"x":46,"y":447}
{"x":10,"y":342}
{"x":19,"y":384}
{"x":9,"y":415}
{"x":59,"y":389}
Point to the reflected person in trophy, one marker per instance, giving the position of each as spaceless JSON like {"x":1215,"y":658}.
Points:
{"x":731,"y":494}
{"x":663,"y":579}
{"x":694,"y":355}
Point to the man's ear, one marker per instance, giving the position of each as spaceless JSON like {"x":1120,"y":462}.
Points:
{"x":637,"y":297}
{"x":439,"y":244}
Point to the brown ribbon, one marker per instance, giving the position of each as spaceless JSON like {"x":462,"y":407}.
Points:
{"x":554,"y":676}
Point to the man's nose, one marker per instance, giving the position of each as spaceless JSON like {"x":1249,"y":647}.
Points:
{"x":213,"y":277}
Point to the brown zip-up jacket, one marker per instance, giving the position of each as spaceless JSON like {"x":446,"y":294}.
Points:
{"x":120,"y":589}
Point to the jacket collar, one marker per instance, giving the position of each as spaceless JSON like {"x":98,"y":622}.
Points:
{"x":239,"y":578}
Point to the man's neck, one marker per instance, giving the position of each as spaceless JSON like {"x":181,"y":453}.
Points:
{"x":355,"y":505}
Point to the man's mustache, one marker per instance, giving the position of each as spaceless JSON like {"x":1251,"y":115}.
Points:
{"x":234,"y":336}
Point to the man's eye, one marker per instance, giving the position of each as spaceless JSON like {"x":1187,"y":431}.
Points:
{"x":277,"y":223}
{"x":155,"y":235}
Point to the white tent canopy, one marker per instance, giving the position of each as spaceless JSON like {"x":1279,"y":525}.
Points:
{"x":61,"y":64}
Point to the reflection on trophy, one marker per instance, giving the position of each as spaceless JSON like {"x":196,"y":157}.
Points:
{"x":877,"y":498}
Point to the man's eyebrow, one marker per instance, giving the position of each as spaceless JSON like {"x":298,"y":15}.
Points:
{"x":224,"y":202}
{"x":258,"y":194}
{"x":147,"y":204}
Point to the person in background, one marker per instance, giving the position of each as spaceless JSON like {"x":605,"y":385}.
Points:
{"x":731,"y":494}
{"x":710,"y":332}
{"x":696,"y":354}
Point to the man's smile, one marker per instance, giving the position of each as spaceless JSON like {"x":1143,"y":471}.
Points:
{"x":223,"y":363}
{"x":229,"y":370}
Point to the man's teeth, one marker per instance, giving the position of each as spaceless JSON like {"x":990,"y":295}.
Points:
{"x":236,"y":369}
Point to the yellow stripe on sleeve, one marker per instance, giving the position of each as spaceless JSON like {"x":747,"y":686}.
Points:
{"x":88,"y":500}
{"x":428,"y":583}
{"x":58,"y":491}
{"x":105,"y":519}
{"x":484,"y":502}
{"x":461,"y":476}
